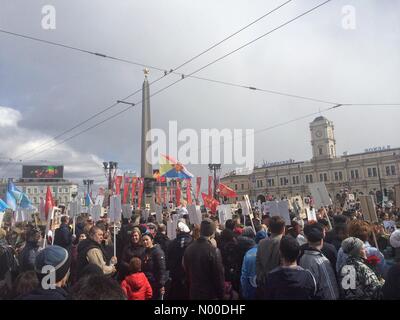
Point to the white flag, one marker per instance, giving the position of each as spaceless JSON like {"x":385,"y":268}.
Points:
{"x":115,"y":208}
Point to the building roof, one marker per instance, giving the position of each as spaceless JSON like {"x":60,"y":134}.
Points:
{"x":320,"y":118}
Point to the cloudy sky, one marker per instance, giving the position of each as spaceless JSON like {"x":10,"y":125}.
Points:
{"x":45,"y":90}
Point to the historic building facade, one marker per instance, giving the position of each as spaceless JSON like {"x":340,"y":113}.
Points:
{"x":374,"y":172}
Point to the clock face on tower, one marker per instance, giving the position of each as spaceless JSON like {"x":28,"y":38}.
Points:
{"x":318,"y":133}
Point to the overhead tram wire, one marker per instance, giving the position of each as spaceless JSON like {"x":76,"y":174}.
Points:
{"x":192,"y":73}
{"x":132,"y":62}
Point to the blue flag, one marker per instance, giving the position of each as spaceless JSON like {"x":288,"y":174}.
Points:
{"x":3,"y":206}
{"x":16,"y":198}
{"x":88,"y":200}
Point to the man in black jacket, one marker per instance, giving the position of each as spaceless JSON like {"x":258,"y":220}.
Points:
{"x":290,"y":281}
{"x":176,"y":250}
{"x":203,"y":266}
{"x":63,"y":235}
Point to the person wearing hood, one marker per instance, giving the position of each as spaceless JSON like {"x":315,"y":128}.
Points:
{"x":91,"y":250}
{"x":176,"y":250}
{"x":28,"y":255}
{"x":357,"y":280}
{"x":63,"y":235}
{"x":290,"y":281}
{"x":315,"y":261}
{"x":248,"y":276}
{"x":136,"y":286}
{"x":58,"y":258}
{"x":154,"y":266}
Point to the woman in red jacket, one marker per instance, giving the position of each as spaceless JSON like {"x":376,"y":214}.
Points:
{"x":136,"y":286}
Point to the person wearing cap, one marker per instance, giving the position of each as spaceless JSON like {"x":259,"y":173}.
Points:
{"x":316,"y":262}
{"x":290,"y":281}
{"x":154,"y":266}
{"x":50,"y":283}
{"x":357,"y":281}
{"x":175,"y":252}
{"x":203,"y":266}
{"x":391,"y":288}
{"x":296,"y":230}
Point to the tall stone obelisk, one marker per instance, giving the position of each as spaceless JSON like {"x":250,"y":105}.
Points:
{"x":146,"y":167}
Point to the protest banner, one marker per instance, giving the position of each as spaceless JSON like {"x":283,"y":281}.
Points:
{"x":320,"y":195}
{"x":172,"y":225}
{"x":368,"y":208}
{"x":115,"y":208}
{"x":126,"y":211}
{"x":96,"y":212}
{"x":311,"y":215}
{"x":224,"y":213}
{"x":194,"y":214}
{"x":249,"y":210}
{"x":159,"y":213}
{"x":390,"y":226}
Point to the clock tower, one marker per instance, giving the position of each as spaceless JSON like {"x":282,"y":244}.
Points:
{"x":322,"y":139}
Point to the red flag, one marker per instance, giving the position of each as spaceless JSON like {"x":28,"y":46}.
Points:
{"x":171,"y":193}
{"x":141,"y":188}
{"x":188,"y":191}
{"x":210,"y":202}
{"x":159,"y":194}
{"x":118,"y":181}
{"x":198,"y":184}
{"x":165,"y":195}
{"x":49,"y":202}
{"x":225,"y":191}
{"x":134,"y":182}
{"x":178,"y":192}
{"x":126,"y":190}
{"x":210,"y":178}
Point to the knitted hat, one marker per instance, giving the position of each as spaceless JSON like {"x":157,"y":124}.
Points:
{"x":56,"y":257}
{"x":207,"y":228}
{"x":395,"y":239}
{"x":352,"y":246}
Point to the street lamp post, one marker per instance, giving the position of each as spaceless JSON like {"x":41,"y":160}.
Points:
{"x":110,"y":168}
{"x":88,"y":183}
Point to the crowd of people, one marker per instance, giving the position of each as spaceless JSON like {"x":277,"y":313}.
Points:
{"x":262,"y":259}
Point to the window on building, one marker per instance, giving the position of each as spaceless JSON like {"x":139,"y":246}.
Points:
{"x":332,"y":153}
{"x":54,"y":189}
{"x":235,"y":186}
{"x":271,"y":182}
{"x":372,"y":172}
{"x":320,"y":151}
{"x":284,"y":181}
{"x":323,"y":177}
{"x":242,"y":186}
{"x":390,"y":170}
{"x":354,"y":174}
{"x":295,"y":180}
{"x":309,"y":178}
{"x":338,"y":176}
{"x":66,"y":190}
{"x":28,"y":190}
